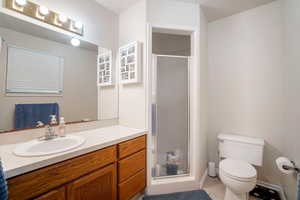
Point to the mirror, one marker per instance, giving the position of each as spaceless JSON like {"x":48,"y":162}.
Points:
{"x":42,"y":74}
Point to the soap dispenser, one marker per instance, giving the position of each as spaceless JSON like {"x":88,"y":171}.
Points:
{"x":62,"y":127}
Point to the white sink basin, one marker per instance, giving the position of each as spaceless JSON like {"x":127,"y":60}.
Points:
{"x":44,"y":148}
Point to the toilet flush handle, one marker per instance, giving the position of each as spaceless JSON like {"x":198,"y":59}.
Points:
{"x":294,"y":168}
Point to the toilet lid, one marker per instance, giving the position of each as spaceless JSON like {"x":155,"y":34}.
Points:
{"x":238,"y":169}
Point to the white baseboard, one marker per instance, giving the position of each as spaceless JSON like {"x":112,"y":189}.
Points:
{"x":278,"y":188}
{"x":203,"y":178}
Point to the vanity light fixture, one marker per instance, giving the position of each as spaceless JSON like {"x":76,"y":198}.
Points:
{"x":43,"y":10}
{"x":42,"y":13}
{"x":75,"y":42}
{"x":21,"y":2}
{"x":78,"y":25}
{"x":62,"y":18}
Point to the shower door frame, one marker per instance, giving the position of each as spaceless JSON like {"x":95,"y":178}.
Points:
{"x":193,"y":181}
{"x":154,"y":133}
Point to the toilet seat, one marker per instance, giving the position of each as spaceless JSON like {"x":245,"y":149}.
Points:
{"x":238,"y":170}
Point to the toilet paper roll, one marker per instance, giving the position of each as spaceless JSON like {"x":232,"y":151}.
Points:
{"x":281,"y":161}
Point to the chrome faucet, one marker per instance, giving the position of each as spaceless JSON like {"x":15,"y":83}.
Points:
{"x":50,"y":130}
{"x":50,"y":133}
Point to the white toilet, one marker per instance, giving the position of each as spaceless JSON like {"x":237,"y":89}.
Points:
{"x":237,"y":155}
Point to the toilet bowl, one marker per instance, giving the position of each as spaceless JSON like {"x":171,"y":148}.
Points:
{"x":239,"y":178}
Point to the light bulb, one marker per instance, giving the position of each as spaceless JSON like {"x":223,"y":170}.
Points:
{"x":21,"y":2}
{"x":78,"y":25}
{"x":75,"y":42}
{"x":44,"y":10}
{"x":62,"y":18}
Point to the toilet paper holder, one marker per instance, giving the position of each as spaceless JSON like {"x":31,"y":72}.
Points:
{"x":294,"y":168}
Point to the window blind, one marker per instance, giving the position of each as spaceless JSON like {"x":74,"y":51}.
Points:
{"x":34,"y":72}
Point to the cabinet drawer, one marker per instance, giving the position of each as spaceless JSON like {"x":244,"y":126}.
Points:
{"x":131,"y":165}
{"x":43,"y":180}
{"x":129,"y":147}
{"x":132,"y":186}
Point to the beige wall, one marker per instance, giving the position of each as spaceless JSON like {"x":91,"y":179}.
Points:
{"x":79,"y":98}
{"x":292,"y":63}
{"x":202,"y":90}
{"x":132,"y":97}
{"x":254,"y":83}
{"x":246,"y":79}
{"x":173,"y":13}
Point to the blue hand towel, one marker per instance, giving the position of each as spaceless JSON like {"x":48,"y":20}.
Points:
{"x":27,"y":115}
{"x":3,"y":186}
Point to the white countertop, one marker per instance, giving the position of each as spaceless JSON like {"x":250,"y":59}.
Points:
{"x":95,"y":139}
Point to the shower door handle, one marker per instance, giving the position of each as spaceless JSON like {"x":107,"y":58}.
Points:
{"x":154,"y":119}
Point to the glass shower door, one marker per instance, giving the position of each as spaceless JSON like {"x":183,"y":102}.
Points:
{"x":170,"y":116}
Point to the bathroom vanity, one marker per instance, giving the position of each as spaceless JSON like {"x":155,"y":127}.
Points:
{"x":110,"y":165}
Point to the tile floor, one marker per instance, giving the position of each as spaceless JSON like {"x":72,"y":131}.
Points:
{"x":215,"y":189}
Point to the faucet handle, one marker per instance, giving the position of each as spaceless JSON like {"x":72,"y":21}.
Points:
{"x":39,"y":124}
{"x":53,"y":119}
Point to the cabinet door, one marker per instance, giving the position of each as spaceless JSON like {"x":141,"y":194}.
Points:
{"x":99,"y":185}
{"x":59,"y":194}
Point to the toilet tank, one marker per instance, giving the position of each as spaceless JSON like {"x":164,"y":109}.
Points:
{"x":244,"y":148}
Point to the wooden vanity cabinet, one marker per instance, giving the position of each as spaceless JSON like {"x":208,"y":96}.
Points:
{"x":100,"y":184}
{"x":97,"y":185}
{"x":59,"y":194}
{"x":117,"y":172}
{"x":131,"y":168}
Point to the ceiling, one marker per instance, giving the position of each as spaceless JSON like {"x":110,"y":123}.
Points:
{"x":116,"y":5}
{"x":214,"y":9}
{"x":217,"y":9}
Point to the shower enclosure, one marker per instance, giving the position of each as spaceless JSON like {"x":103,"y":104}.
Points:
{"x":170,"y":116}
